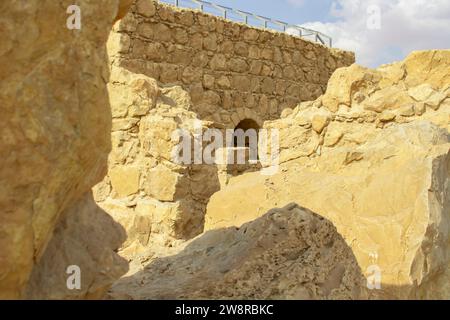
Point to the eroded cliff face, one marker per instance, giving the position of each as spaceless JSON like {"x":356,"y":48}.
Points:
{"x":55,"y":127}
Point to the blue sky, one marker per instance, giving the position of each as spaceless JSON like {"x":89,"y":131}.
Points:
{"x":378,"y":31}
{"x":294,"y":12}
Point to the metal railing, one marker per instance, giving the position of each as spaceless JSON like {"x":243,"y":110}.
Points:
{"x":253,"y":20}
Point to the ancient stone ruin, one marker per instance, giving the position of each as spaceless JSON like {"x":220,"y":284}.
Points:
{"x":89,"y":177}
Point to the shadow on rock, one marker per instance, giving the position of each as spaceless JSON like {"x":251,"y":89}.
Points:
{"x":289,"y":253}
{"x":86,"y":237}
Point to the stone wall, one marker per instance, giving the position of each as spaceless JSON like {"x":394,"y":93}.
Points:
{"x":232,"y":71}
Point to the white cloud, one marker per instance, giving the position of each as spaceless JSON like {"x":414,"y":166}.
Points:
{"x":297,"y":3}
{"x":405,"y":25}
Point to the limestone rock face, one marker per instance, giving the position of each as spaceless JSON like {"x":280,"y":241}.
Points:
{"x":420,"y":84}
{"x":55,"y":124}
{"x":345,"y":83}
{"x":428,"y":67}
{"x":289,"y":253}
{"x":378,"y":169}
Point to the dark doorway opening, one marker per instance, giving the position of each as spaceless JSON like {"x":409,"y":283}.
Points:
{"x":246,"y":125}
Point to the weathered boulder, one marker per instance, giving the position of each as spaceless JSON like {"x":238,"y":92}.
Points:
{"x":55,"y":124}
{"x":345,"y":83}
{"x":289,"y":253}
{"x":428,"y":67}
{"x":422,"y":78}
